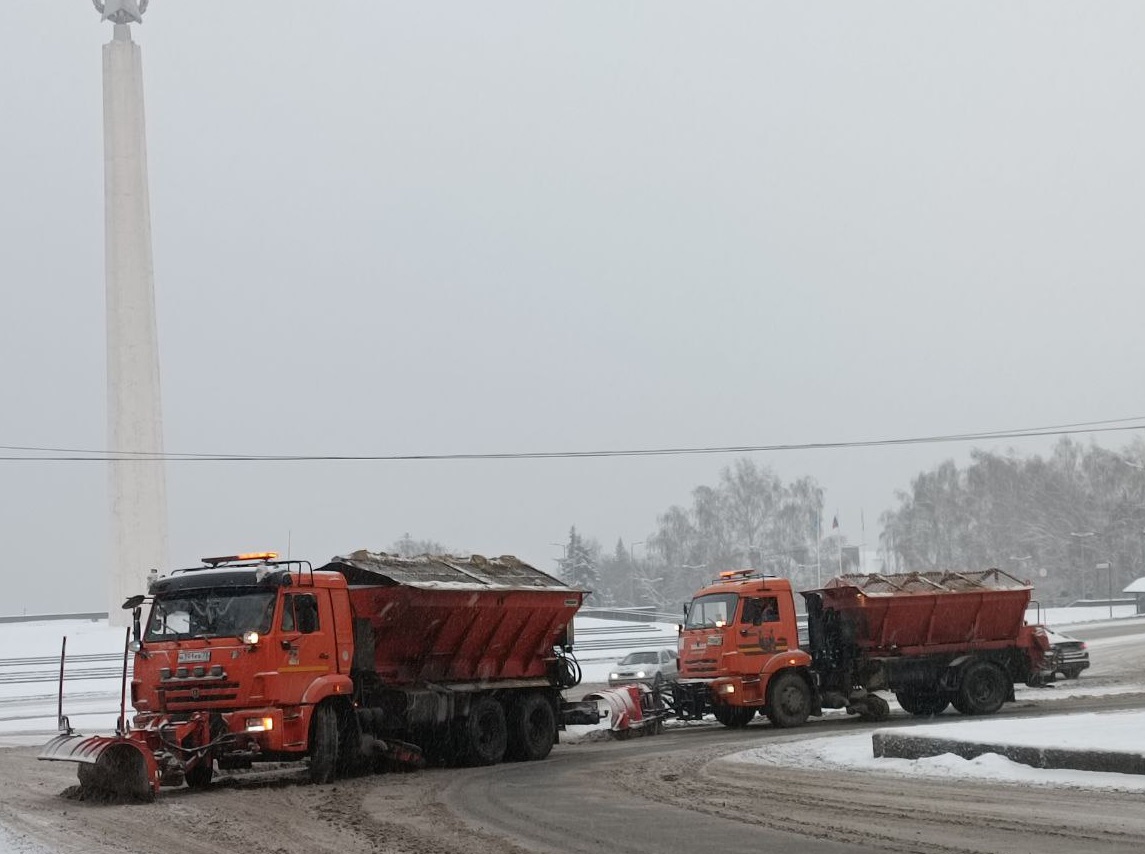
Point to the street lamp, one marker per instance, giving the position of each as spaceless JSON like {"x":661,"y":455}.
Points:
{"x":1082,"y":536}
{"x":633,"y":570}
{"x":563,"y":559}
{"x":1108,"y":567}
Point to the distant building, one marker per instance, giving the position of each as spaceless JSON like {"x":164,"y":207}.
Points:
{"x":1137,"y":588}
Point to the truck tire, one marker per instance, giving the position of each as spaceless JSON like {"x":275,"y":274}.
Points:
{"x":323,"y":744}
{"x":532,"y":729}
{"x":200,"y":776}
{"x":736,"y":717}
{"x":484,"y":735}
{"x":352,"y":758}
{"x":983,"y":690}
{"x":789,"y":702}
{"x":923,"y":704}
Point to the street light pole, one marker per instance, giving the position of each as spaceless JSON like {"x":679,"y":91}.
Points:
{"x":1083,"y":535}
{"x":563,"y":559}
{"x":1108,"y":567}
{"x":634,"y":575}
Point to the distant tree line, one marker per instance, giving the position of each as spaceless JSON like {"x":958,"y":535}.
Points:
{"x":749,"y":518}
{"x":1057,"y":521}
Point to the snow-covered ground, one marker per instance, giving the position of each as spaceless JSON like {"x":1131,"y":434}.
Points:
{"x":1117,"y":731}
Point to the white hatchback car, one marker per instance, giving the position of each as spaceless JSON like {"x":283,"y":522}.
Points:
{"x":654,"y":667}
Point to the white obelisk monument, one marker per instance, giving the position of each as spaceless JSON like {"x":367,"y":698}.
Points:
{"x":138,"y":490}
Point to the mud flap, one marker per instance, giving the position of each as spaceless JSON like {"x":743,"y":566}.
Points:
{"x":109,"y":764}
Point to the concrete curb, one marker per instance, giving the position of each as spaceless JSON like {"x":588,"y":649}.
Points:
{"x":898,"y":746}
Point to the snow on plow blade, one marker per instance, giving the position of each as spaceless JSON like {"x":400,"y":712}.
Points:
{"x":110,"y":765}
{"x":631,"y":708}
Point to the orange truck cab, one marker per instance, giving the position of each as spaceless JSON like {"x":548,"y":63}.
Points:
{"x":739,"y":653}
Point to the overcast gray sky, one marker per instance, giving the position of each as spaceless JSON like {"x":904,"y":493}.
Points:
{"x":389,"y":228}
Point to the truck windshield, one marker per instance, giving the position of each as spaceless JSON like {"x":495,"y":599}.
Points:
{"x":709,"y":611}
{"x":210,"y":614}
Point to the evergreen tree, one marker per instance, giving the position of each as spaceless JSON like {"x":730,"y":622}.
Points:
{"x":579,"y":567}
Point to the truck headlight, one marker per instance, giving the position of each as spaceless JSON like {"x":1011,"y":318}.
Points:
{"x":250,"y":638}
{"x":259,"y":724}
{"x":613,"y":675}
{"x":640,"y":674}
{"x":728,"y":689}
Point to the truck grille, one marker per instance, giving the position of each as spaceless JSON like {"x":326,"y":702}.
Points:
{"x":189,"y":694}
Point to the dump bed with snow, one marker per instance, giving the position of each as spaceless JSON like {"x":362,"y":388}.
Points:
{"x":445,"y":619}
{"x":902,"y":614}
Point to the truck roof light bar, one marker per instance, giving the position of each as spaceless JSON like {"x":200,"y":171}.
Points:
{"x":734,"y":573}
{"x":264,"y":556}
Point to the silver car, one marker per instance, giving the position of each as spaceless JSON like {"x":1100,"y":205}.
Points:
{"x":1068,"y":656}
{"x":654,"y":667}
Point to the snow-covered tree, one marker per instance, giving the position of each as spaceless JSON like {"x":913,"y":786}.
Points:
{"x":407,"y":546}
{"x":579,"y":567}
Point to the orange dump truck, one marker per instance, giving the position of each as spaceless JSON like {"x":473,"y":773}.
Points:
{"x":372,"y":657}
{"x":931,"y":638}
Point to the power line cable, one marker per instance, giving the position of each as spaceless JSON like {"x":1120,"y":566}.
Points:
{"x":81,"y":455}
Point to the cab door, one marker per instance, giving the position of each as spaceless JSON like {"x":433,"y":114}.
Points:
{"x":760,"y":631}
{"x":306,"y":639}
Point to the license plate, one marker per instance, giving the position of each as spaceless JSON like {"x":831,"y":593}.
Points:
{"x":191,"y":655}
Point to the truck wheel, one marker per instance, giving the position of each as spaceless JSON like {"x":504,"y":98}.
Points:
{"x":200,"y":776}
{"x":736,"y":717}
{"x":352,"y":759}
{"x":983,"y":690}
{"x":922,"y":704}
{"x":323,"y":744}
{"x":532,"y":729}
{"x":790,"y":700}
{"x":485,"y":733}
{"x":1071,"y":672}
